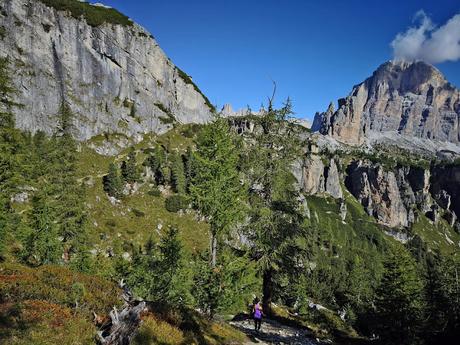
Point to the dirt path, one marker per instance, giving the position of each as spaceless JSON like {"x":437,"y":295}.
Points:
{"x":273,"y":332}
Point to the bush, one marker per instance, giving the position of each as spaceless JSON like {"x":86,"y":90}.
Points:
{"x":154,"y":192}
{"x":111,"y":223}
{"x":175,"y":203}
{"x":138,"y":213}
{"x":94,"y":15}
{"x":191,"y":130}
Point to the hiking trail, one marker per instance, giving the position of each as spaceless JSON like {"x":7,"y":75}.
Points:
{"x":273,"y":332}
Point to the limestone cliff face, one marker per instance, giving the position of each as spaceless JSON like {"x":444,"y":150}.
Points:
{"x":395,"y":197}
{"x":115,"y":78}
{"x":412,"y":99}
{"x":320,"y":177}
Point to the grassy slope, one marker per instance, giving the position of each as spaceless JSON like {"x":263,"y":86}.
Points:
{"x":121,"y":224}
{"x":38,"y":306}
{"x":439,"y":236}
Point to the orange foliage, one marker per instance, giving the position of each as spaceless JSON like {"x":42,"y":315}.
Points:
{"x":56,"y":284}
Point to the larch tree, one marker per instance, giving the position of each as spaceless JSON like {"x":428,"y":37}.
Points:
{"x":10,"y":147}
{"x":216,"y":186}
{"x":275,"y":220}
{"x":399,"y":298}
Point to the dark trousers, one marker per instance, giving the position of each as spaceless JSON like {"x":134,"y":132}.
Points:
{"x":257,"y":323}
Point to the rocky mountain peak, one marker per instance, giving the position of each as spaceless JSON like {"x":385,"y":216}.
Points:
{"x":407,"y":76}
{"x":409,"y":98}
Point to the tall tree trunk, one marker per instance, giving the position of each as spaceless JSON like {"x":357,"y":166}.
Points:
{"x":213,"y":249}
{"x":268,"y":292}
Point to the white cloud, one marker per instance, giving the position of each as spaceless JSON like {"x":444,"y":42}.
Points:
{"x":425,"y":41}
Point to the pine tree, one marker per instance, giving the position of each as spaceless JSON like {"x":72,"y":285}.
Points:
{"x":68,"y":194}
{"x":443,"y":290}
{"x":399,"y":299}
{"x":129,"y":170}
{"x":274,"y":218}
{"x":216,"y":187}
{"x":43,"y":245}
{"x":177,"y":174}
{"x":170,"y":287}
{"x":156,"y":161}
{"x":113,"y":184}
{"x":188,"y":168}
{"x":10,"y":146}
{"x":358,"y":290}
{"x":158,"y":273}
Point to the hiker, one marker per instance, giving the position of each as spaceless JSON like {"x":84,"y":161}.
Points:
{"x":257,"y":314}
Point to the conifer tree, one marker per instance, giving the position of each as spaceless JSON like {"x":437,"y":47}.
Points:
{"x":113,"y":185}
{"x":274,"y":217}
{"x":10,"y":145}
{"x":177,"y":174}
{"x":399,"y":299}
{"x":188,"y":168}
{"x":443,"y":292}
{"x":170,"y":287}
{"x":129,"y":168}
{"x":216,"y":187}
{"x":158,"y":273}
{"x":156,"y":161}
{"x":68,"y":193}
{"x":43,"y":245}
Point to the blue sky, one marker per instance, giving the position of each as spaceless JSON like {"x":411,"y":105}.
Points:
{"x":314,"y":50}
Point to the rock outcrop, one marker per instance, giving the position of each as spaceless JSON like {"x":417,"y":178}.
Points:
{"x":378,"y":191}
{"x":114,"y":77}
{"x":412,"y":99}
{"x":320,"y":177}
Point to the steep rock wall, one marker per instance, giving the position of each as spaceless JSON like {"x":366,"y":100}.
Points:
{"x":115,"y":78}
{"x":412,"y":99}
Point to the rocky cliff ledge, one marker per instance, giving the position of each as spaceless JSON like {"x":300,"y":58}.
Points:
{"x":114,"y":76}
{"x":412,"y":99}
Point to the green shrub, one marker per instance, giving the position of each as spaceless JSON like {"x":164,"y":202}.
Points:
{"x":138,"y":213}
{"x":175,"y":203}
{"x":169,"y":118}
{"x":191,"y":130}
{"x":154,"y":192}
{"x":111,"y":223}
{"x":94,"y":15}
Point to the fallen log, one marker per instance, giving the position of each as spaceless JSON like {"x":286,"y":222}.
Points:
{"x":121,"y":326}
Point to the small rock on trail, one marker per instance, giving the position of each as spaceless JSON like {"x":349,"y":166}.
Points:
{"x":273,"y":332}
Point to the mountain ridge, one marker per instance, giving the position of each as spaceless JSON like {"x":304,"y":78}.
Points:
{"x":409,"y":98}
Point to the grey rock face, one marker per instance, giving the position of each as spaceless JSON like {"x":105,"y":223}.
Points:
{"x":115,"y":78}
{"x":412,"y":99}
{"x":446,"y":187}
{"x":333,"y":180}
{"x":319,"y":178}
{"x":394,"y":197}
{"x":378,"y":192}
